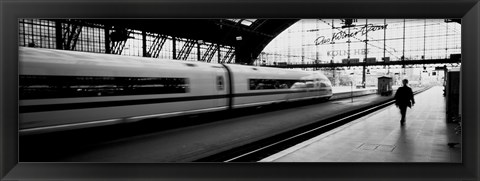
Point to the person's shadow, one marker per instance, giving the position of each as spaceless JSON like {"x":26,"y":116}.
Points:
{"x":405,"y":147}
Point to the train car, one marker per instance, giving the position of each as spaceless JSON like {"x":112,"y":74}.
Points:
{"x":264,"y":85}
{"x":62,"y":90}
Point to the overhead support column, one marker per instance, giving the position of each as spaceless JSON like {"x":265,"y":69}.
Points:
{"x":364,"y":78}
{"x":144,"y":44}
{"x":107,"y":39}
{"x":58,"y":34}
{"x":198,"y":52}
{"x":174,"y":45}
{"x":403,"y":50}
{"x":243,"y":57}
{"x":242,"y":54}
{"x":238,"y":55}
{"x":218,"y":53}
{"x":385,"y":45}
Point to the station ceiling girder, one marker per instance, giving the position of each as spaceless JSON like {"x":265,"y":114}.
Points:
{"x":247,"y":41}
{"x":254,"y":38}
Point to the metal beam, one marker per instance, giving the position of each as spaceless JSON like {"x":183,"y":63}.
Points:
{"x":156,"y":46}
{"x":206,"y":55}
{"x":406,"y":62}
{"x":227,"y":55}
{"x":186,"y":49}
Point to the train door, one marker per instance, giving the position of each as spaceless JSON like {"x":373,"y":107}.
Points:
{"x":221,"y":88}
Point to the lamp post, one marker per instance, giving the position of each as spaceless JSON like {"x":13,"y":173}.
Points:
{"x":351,"y":83}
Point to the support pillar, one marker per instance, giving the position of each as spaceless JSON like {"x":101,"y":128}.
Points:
{"x":58,"y":35}
{"x":174,"y":50}
{"x":364,"y":76}
{"x":144,"y":44}
{"x":107,"y":39}
{"x":218,"y":53}
{"x":198,"y":52}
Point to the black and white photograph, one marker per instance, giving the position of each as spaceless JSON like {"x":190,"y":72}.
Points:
{"x":240,"y":90}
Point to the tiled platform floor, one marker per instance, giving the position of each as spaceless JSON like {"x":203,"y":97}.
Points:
{"x":378,"y":137}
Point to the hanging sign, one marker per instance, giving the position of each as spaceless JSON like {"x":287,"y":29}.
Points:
{"x":345,"y":52}
{"x":344,"y":34}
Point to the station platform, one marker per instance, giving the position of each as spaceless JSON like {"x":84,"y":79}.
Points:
{"x":343,"y":89}
{"x":379,"y":137}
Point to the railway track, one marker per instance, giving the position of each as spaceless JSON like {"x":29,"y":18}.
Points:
{"x":260,"y":149}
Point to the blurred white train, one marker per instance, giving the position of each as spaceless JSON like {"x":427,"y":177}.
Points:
{"x":62,"y":90}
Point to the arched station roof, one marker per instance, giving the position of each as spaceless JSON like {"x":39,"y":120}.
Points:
{"x":255,"y":33}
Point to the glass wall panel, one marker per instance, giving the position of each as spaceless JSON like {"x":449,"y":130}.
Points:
{"x":323,"y":41}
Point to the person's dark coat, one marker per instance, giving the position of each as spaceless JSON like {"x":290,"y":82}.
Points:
{"x":404,"y":97}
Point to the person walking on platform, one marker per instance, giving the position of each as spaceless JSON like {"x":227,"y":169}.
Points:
{"x":403,"y":99}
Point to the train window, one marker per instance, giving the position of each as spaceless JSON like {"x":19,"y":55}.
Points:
{"x":259,"y":84}
{"x":325,"y":83}
{"x":299,"y":85}
{"x":42,"y":87}
{"x":310,"y":84}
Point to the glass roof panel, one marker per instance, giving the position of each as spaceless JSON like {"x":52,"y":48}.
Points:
{"x":246,"y":22}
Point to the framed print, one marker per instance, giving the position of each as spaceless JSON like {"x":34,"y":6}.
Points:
{"x":38,"y":101}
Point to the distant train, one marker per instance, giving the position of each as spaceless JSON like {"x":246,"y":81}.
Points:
{"x":63,"y":90}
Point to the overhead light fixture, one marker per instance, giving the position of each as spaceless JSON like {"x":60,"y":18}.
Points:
{"x":238,"y":38}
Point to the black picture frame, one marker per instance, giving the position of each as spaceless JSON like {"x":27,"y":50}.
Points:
{"x":11,"y":11}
